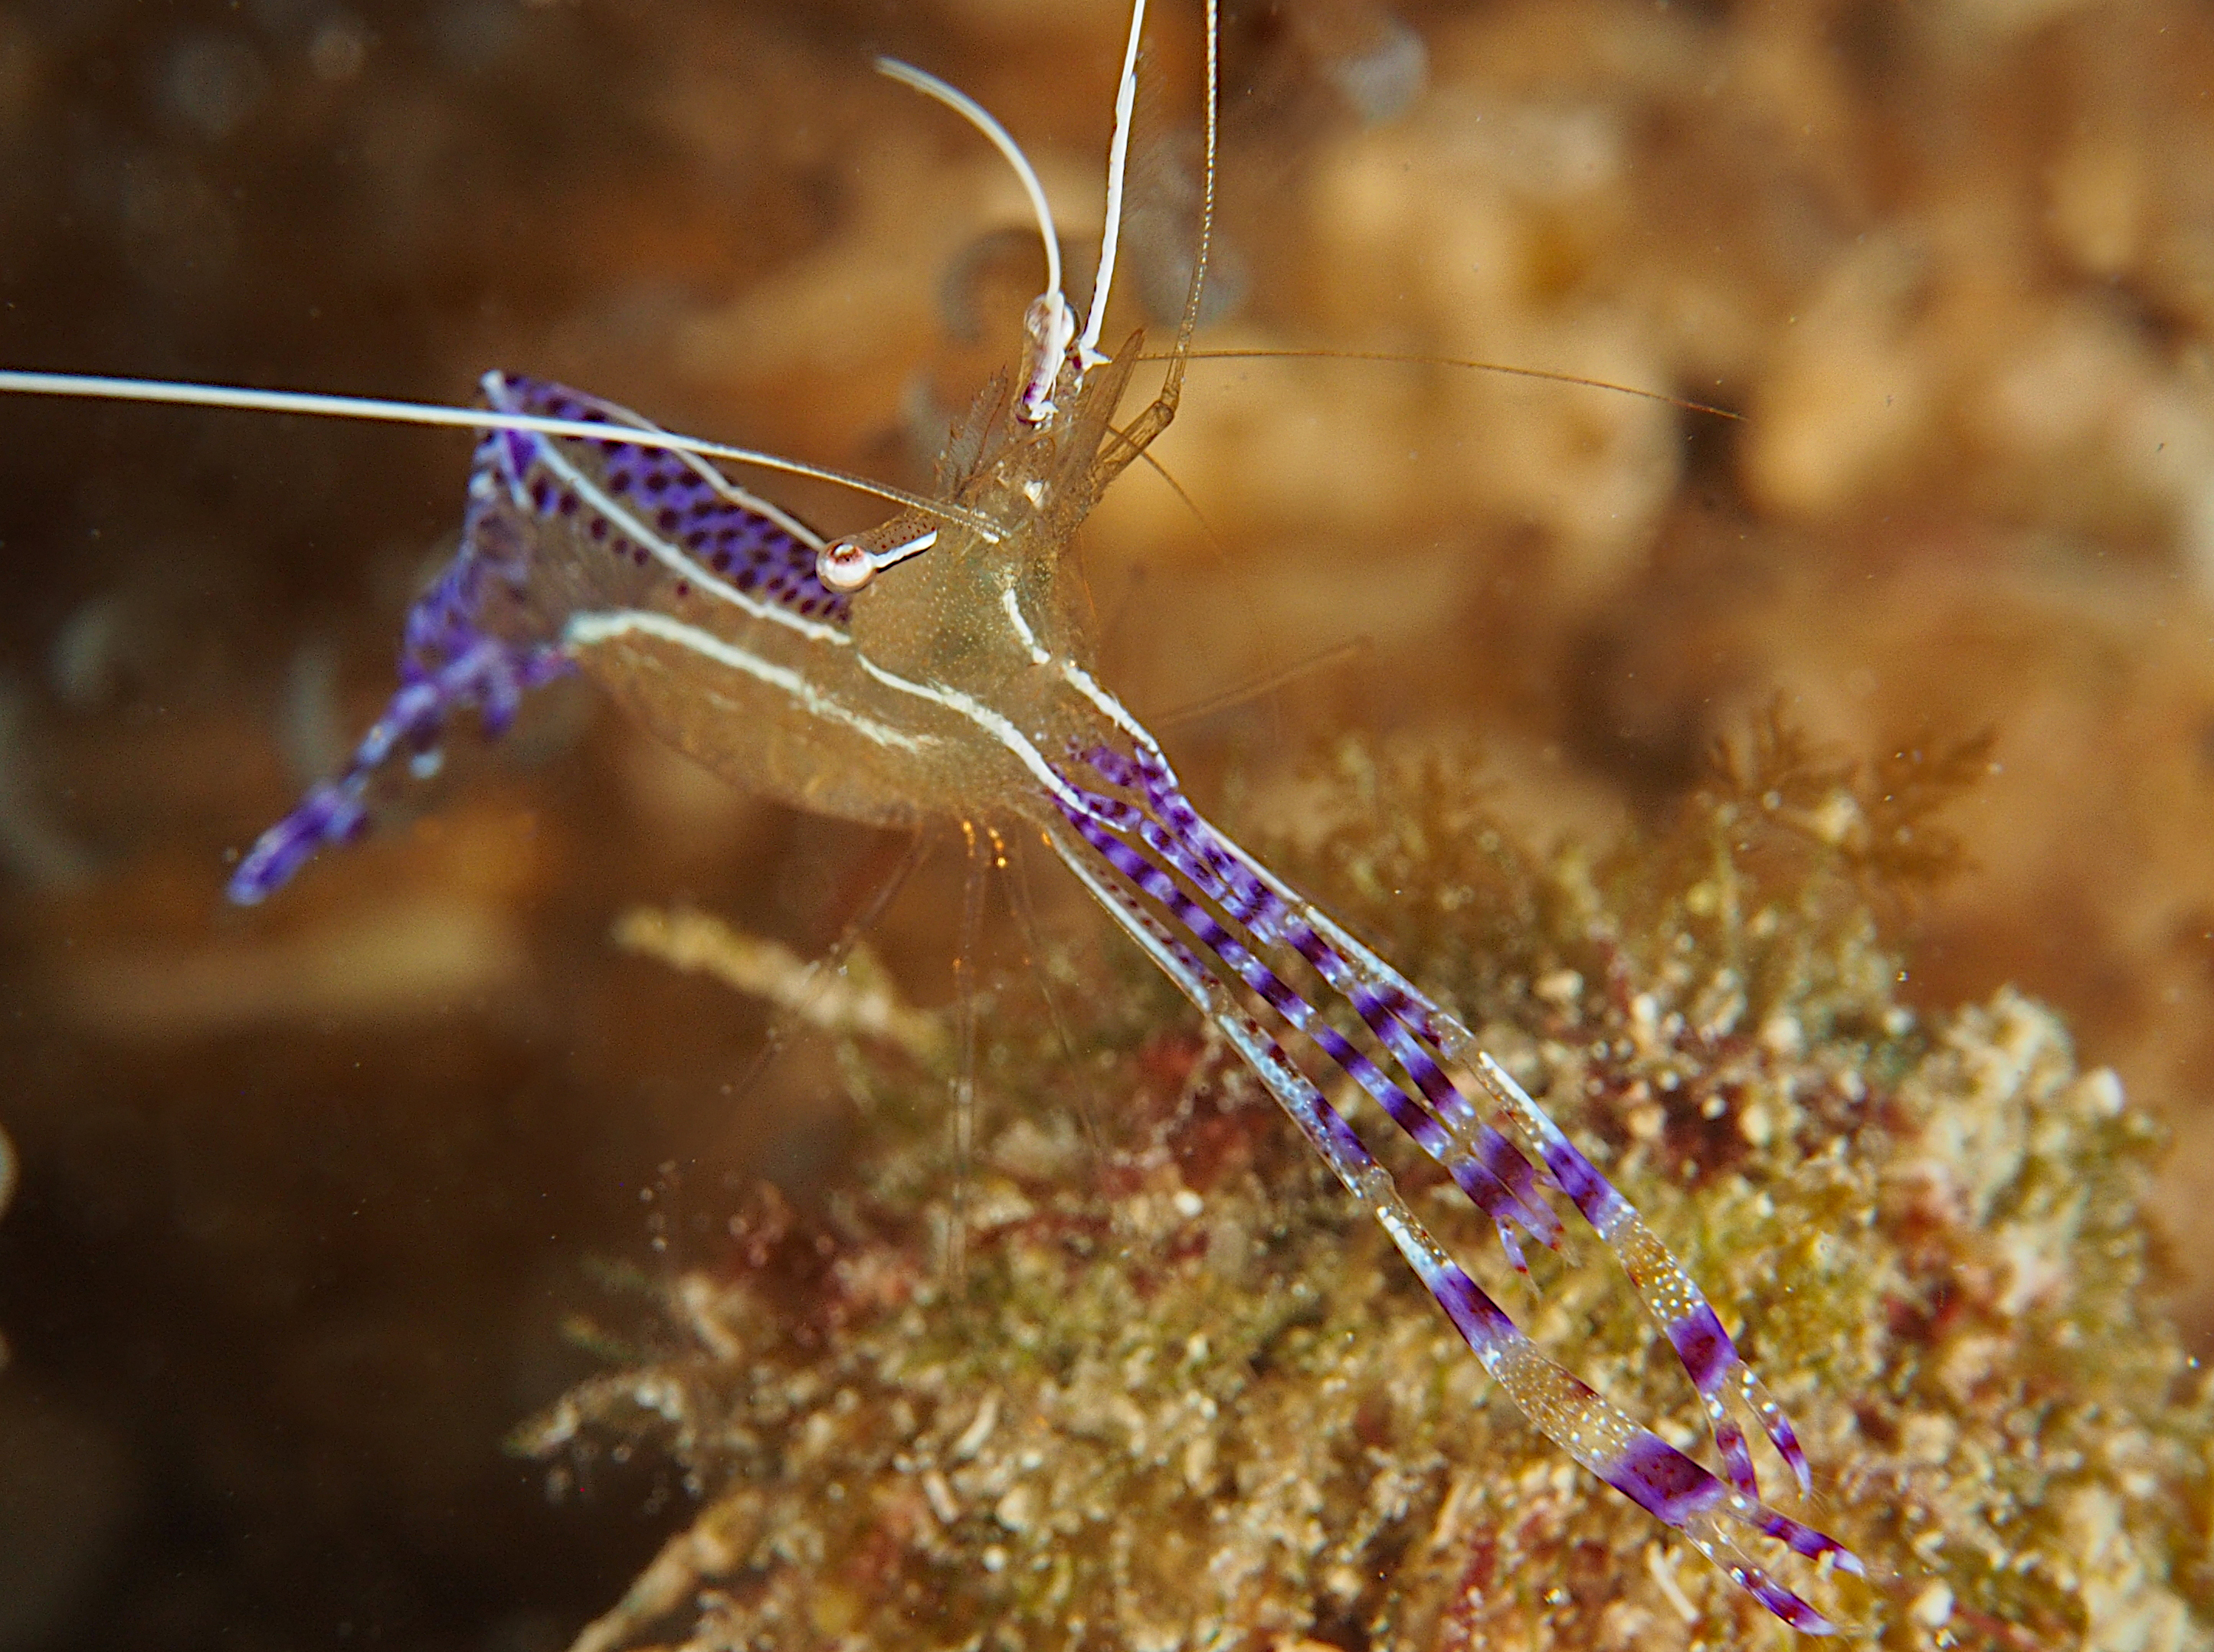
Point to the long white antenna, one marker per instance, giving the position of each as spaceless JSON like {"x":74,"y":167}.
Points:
{"x":1049,"y":323}
{"x":983,"y":120}
{"x":1118,"y":155}
{"x":93,"y":387}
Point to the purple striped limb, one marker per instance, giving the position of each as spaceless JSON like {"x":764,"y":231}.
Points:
{"x":1416,"y":1033}
{"x":1704,"y":1349}
{"x":1635,"y":1461}
{"x":1325,"y":1129}
{"x":1483,"y":1163}
{"x":1487,"y":1179}
{"x":557,"y":525}
{"x":1171,"y":837}
{"x":1248,"y":893}
{"x":1659,"y":1478}
{"x":450,"y":657}
{"x":1711,"y":1358}
{"x":1708,"y":1355}
{"x":489,"y":674}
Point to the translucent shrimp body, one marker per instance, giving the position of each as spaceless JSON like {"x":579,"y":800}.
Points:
{"x":957,"y":684}
{"x":941,"y":667}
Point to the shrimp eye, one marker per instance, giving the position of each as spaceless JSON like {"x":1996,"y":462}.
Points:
{"x":843,"y":566}
{"x":848,"y":564}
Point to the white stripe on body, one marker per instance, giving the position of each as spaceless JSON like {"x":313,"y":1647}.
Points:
{"x":586,"y":630}
{"x":1014,"y":612}
{"x":953,"y":700}
{"x":1110,"y":707}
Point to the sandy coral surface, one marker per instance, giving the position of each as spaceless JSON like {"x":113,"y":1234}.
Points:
{"x":303,"y":1198}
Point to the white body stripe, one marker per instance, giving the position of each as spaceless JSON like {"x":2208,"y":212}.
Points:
{"x":1014,"y":610}
{"x":1110,"y":707}
{"x":586,"y":630}
{"x":989,"y":721}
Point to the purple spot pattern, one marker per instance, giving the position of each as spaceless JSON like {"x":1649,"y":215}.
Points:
{"x":534,"y":552}
{"x":666,"y":496}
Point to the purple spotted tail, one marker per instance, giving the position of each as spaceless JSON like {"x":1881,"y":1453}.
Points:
{"x":553,"y":526}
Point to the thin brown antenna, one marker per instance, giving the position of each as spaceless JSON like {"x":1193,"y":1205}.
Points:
{"x":1254,"y":688}
{"x":1172,"y":386}
{"x":1410,"y":359}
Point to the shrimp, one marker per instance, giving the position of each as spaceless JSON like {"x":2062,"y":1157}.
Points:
{"x":943,"y":666}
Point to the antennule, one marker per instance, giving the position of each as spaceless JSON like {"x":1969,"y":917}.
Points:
{"x":1118,"y":159}
{"x":1049,"y":324}
{"x":86,"y":387}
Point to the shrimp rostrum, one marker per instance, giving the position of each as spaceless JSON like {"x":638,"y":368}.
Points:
{"x":942,"y":665}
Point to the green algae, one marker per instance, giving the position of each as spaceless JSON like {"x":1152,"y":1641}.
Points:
{"x":1183,"y":1396}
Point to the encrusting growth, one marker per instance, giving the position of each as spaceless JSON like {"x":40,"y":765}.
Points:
{"x":1186,"y":1399}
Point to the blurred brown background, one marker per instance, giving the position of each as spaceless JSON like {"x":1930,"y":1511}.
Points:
{"x":306,"y":1192}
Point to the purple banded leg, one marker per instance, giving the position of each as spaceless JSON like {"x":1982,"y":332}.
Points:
{"x":1694,"y":1331}
{"x":1639,"y":1464}
{"x":1404,"y":1021}
{"x":449,"y":659}
{"x":1325,"y":1130}
{"x":1470,"y":1139}
{"x":1231,"y":877}
{"x":1400,"y":1016}
{"x":1483,"y":1188}
{"x":1655,"y":1476}
{"x":1473,"y":1153}
{"x":1708,"y":1355}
